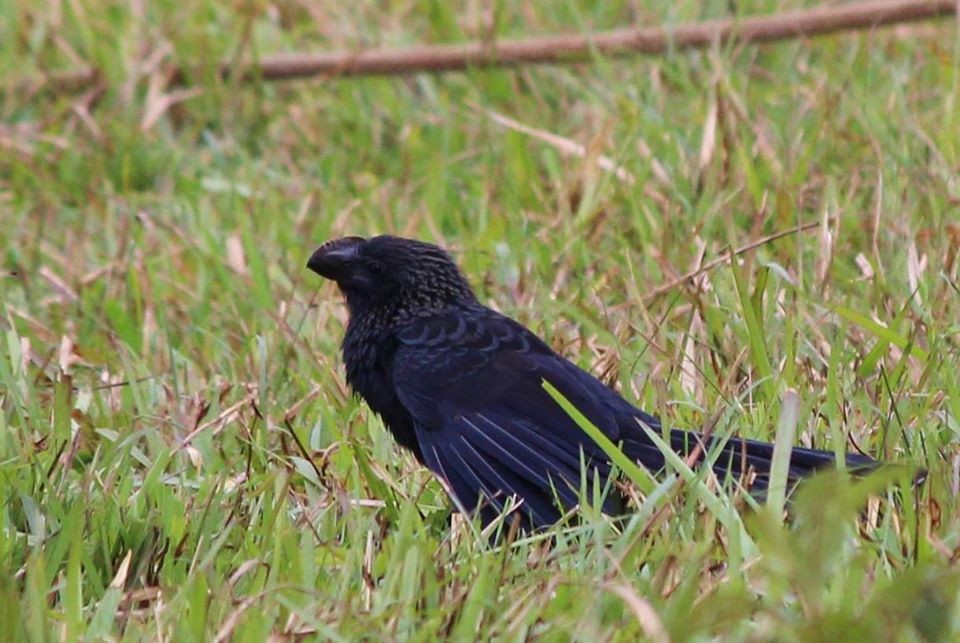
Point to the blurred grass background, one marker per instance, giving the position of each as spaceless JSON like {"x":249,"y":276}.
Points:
{"x":161,"y":337}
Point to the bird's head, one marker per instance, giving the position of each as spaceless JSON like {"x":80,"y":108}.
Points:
{"x":391,"y":271}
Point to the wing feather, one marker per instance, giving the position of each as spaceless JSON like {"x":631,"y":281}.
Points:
{"x":489,"y":427}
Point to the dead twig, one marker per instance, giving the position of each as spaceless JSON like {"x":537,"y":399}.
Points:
{"x":564,"y":48}
{"x":724,"y":258}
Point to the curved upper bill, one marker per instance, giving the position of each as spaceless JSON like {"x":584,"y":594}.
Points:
{"x":332,"y":258}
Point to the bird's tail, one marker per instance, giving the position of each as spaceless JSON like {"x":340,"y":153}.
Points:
{"x":748,"y":461}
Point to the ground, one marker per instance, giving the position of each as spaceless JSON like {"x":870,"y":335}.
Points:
{"x":181,"y":459}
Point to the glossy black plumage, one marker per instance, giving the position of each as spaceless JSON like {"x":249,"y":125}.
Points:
{"x":461,"y":386}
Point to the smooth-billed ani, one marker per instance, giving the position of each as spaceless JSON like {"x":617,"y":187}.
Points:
{"x":461,"y":386}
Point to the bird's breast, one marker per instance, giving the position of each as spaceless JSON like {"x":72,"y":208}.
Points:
{"x":369,"y":367}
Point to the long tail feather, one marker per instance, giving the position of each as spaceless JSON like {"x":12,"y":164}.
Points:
{"x":747,"y":460}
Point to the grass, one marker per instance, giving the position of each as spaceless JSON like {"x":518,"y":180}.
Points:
{"x":180,"y":458}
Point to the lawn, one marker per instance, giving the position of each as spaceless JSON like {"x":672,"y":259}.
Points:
{"x":180,"y":458}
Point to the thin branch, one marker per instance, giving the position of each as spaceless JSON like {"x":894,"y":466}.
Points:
{"x":724,"y":258}
{"x":566,"y":48}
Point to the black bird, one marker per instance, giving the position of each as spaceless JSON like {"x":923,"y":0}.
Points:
{"x":461,"y":386}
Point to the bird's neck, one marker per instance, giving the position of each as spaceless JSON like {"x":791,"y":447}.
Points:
{"x":383,"y":315}
{"x":373,"y":327}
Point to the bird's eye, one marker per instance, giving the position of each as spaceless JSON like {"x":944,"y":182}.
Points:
{"x":375,"y":267}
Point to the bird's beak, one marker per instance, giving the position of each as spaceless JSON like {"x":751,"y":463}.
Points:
{"x":334,"y":258}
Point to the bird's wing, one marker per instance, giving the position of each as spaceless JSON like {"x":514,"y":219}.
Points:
{"x":485,"y":424}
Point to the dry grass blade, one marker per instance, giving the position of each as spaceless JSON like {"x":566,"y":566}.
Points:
{"x":222,"y":418}
{"x":230,"y":623}
{"x":709,"y":141}
{"x":916,"y":266}
{"x":120,"y":578}
{"x":564,"y":145}
{"x":236,"y":258}
{"x":646,"y":616}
